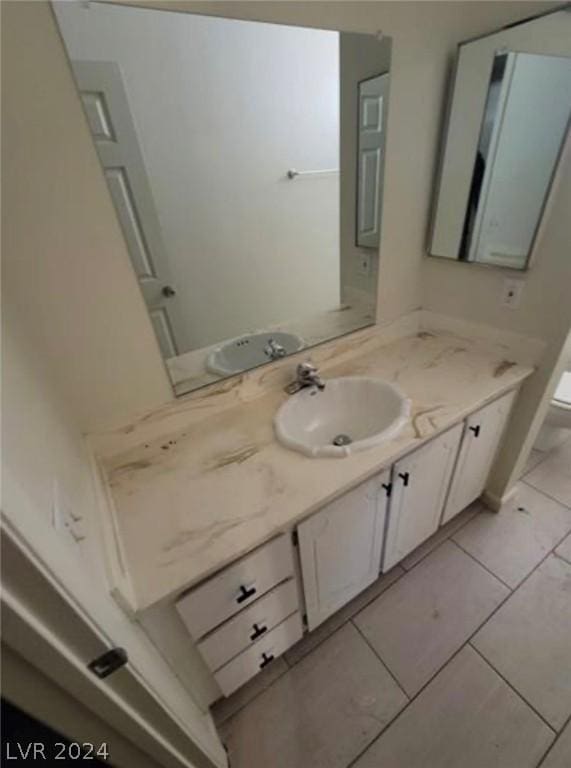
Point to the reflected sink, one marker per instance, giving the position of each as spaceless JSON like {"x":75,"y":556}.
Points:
{"x":351,"y":414}
{"x":251,"y":350}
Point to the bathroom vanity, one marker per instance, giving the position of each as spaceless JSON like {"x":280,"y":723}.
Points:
{"x":255,"y":609}
{"x":248,"y":544}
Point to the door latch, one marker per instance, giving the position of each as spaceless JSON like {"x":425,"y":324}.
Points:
{"x":108,"y":662}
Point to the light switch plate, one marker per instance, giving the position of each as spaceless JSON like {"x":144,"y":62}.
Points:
{"x":63,"y":516}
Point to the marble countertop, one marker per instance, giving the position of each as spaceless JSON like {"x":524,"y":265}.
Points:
{"x":191,"y":495}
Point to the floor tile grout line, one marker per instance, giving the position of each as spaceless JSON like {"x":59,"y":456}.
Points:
{"x":412,"y":699}
{"x":560,"y":557}
{"x":526,"y":472}
{"x":467,"y":642}
{"x":544,"y":493}
{"x":567,"y":724}
{"x":512,"y":688}
{"x":552,"y":498}
{"x":482,"y":565}
{"x":385,"y":665}
{"x":513,"y":592}
{"x":545,"y":456}
{"x":346,"y":621}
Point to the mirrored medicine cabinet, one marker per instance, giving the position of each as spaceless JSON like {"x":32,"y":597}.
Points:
{"x":508,"y":119}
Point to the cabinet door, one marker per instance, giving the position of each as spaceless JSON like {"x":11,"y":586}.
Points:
{"x":484,"y":430}
{"x":340,"y":548}
{"x":420,"y":483}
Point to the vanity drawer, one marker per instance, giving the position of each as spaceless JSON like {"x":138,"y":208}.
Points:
{"x":250,"y":662}
{"x":236,"y":587}
{"x":250,"y":625}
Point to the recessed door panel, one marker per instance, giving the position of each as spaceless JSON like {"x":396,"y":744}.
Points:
{"x":420,"y":485}
{"x":340,"y":548}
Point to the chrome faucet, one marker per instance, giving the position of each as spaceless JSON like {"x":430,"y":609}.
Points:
{"x":306,"y":376}
{"x":274,"y":350}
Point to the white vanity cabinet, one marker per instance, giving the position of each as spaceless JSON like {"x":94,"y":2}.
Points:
{"x":480,"y":442}
{"x":340,"y":548}
{"x":419,"y":487}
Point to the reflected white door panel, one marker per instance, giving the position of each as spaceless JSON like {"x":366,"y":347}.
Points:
{"x":529,"y":126}
{"x":372,"y":95}
{"x":112,"y":127}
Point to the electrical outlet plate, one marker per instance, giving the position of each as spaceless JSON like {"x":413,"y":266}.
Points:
{"x":512,"y":291}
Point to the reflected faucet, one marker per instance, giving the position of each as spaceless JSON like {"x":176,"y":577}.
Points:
{"x":306,"y":376}
{"x":274,"y":350}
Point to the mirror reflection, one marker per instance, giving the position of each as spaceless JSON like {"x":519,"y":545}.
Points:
{"x":493,"y":190}
{"x":245,"y":164}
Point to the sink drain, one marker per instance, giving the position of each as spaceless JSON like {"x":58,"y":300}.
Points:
{"x":342,"y":440}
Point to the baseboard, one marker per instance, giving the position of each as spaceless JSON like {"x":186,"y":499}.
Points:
{"x":494,"y":502}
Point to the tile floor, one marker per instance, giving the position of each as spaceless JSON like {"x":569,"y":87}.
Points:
{"x":460,"y":657}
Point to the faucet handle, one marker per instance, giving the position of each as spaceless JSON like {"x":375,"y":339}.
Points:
{"x":306,"y":369}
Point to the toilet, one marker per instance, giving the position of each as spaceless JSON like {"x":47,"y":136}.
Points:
{"x":558,"y":420}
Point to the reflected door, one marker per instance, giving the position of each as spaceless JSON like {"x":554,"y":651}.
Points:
{"x":372,"y":94}
{"x":530,"y":121}
{"x":113,"y":129}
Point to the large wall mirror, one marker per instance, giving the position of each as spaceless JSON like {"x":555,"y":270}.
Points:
{"x":509,"y":116}
{"x":245,"y":162}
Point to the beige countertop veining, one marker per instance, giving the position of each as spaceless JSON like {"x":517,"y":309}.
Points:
{"x":193,"y":498}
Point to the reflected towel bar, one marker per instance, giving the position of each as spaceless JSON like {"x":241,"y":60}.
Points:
{"x":292,"y":173}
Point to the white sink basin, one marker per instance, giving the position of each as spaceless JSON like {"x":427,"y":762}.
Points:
{"x":351,"y":414}
{"x":250,"y":351}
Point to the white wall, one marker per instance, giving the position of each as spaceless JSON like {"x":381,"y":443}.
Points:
{"x":223,"y":109}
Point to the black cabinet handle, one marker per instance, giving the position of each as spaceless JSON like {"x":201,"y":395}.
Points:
{"x":245,"y":593}
{"x":388,"y":488}
{"x":266,"y":658}
{"x":475,"y":430}
{"x":258,"y":631}
{"x":404,"y":477}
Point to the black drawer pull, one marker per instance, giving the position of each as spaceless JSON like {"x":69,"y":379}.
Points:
{"x":475,"y":430}
{"x":266,"y":658}
{"x":258,"y":631}
{"x":404,"y":476}
{"x":245,"y":593}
